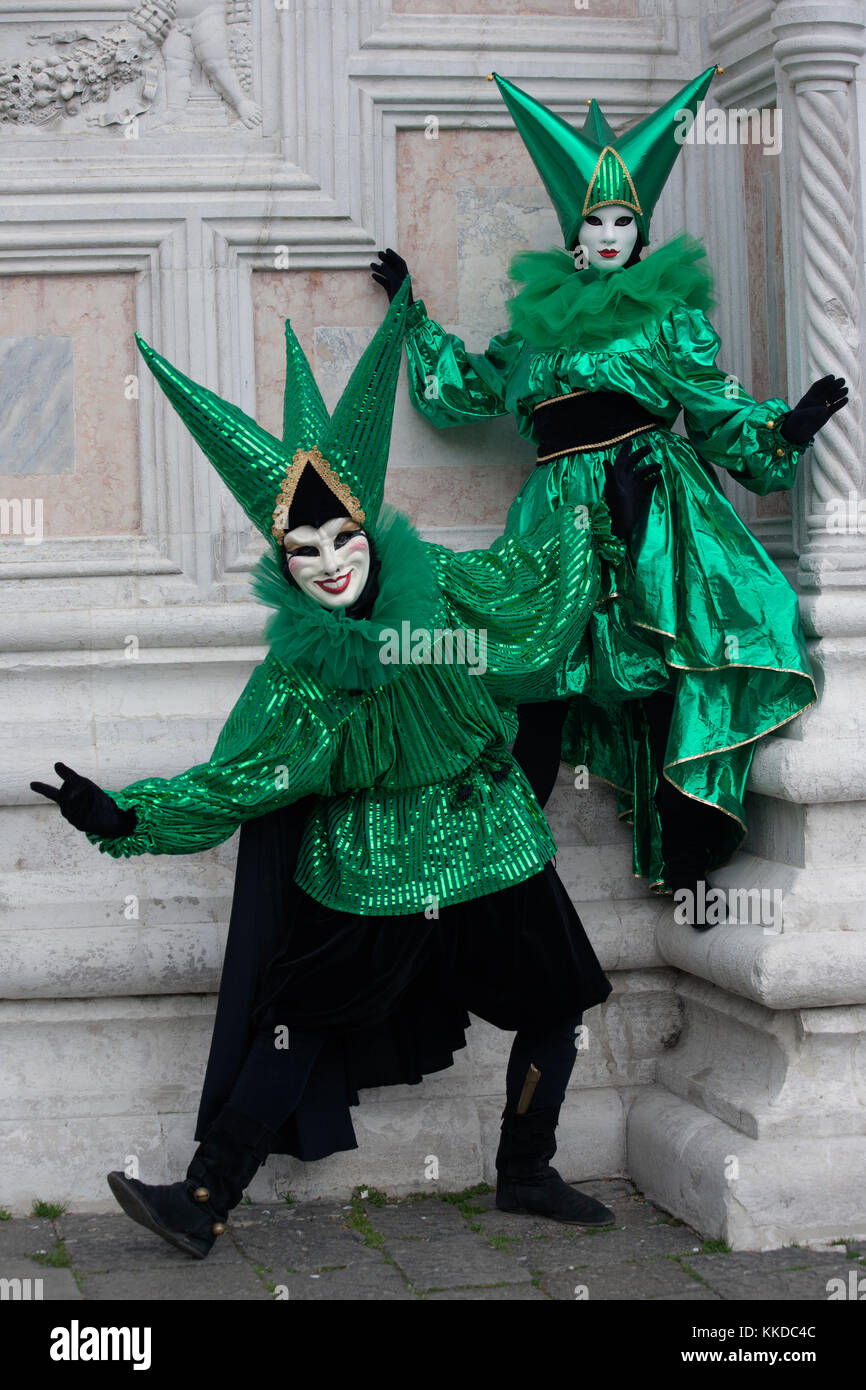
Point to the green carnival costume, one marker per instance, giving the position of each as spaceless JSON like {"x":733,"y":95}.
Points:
{"x":702,"y":611}
{"x":406,"y":807}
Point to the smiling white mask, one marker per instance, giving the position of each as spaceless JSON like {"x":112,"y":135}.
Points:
{"x":330,"y":562}
{"x":608,"y":235}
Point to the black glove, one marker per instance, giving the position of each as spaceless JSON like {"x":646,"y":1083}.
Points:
{"x":391,"y":273}
{"x":814,"y":410}
{"x":627,"y":490}
{"x":87,"y":806}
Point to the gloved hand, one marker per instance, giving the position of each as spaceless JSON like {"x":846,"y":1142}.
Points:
{"x":87,"y":806}
{"x":628,"y":489}
{"x":813,"y":411}
{"x":391,"y":273}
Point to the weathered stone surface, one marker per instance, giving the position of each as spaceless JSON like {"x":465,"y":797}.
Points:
{"x":454,"y":1261}
{"x":650,"y":1279}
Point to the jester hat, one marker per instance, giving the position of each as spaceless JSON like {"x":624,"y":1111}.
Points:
{"x":587,"y":169}
{"x":325,"y":465}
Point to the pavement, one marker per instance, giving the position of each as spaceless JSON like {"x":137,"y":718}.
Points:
{"x":438,"y":1246}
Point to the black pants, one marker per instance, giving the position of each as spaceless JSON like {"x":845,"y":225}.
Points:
{"x":690,"y":829}
{"x":272,"y":1079}
{"x":537,"y":746}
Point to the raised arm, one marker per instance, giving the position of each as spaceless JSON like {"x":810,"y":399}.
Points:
{"x":447,"y":384}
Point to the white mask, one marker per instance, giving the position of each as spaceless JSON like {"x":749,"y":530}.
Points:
{"x":329,"y":562}
{"x":610,"y":229}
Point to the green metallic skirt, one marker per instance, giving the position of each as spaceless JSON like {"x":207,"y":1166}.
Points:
{"x":699,"y":611}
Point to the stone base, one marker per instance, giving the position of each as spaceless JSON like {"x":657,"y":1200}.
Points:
{"x":756,"y":1194}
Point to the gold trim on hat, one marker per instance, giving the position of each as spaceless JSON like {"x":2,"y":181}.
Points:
{"x":612,"y":202}
{"x":317,"y":460}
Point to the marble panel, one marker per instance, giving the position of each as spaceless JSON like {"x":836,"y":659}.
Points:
{"x":67,"y":365}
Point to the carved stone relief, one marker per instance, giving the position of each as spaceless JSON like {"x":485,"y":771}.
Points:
{"x":157,"y":64}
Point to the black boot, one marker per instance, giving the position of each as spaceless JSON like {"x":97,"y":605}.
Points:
{"x":191,"y":1214}
{"x":526,"y":1182}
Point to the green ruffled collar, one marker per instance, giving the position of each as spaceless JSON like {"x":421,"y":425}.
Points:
{"x":564,"y":307}
{"x":326,"y":644}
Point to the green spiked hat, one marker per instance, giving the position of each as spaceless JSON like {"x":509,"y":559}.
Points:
{"x":586,"y":169}
{"x":348,"y":451}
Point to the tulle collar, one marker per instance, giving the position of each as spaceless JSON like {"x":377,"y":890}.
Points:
{"x":563,"y":307}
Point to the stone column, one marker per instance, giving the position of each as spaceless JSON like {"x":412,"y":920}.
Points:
{"x":756,"y":1128}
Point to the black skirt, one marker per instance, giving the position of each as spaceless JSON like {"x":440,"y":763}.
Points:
{"x":391,"y":995}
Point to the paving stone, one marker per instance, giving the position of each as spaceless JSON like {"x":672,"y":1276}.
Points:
{"x":360,"y":1283}
{"x":409,"y":1219}
{"x":305,"y":1214}
{"x":790,"y":1274}
{"x":101,"y":1243}
{"x":654,"y":1279}
{"x":56,"y":1284}
{"x":503,"y":1293}
{"x":281,"y":1244}
{"x":609,"y":1246}
{"x":454,"y":1261}
{"x":196,"y":1281}
{"x":25,"y":1236}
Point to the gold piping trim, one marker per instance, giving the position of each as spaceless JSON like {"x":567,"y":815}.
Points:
{"x":315,"y":458}
{"x":747,"y":666}
{"x":661,"y":630}
{"x":612,"y":202}
{"x":567,"y":397}
{"x":729,"y":747}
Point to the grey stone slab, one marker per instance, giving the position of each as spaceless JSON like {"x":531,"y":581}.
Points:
{"x":359,"y":1283}
{"x":196,"y":1281}
{"x":798,"y":1275}
{"x":610,"y":1245}
{"x":100,"y":1243}
{"x":286,"y":1251}
{"x":656,"y":1279}
{"x":505,"y":1293}
{"x":454,"y":1261}
{"x":38,"y":1283}
{"x":299,"y":1213}
{"x":417,"y":1218}
{"x":37,"y":428}
{"x":305,"y":1239}
{"x":26,"y":1236}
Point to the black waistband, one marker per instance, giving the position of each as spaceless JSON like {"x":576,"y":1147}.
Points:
{"x":586,"y":420}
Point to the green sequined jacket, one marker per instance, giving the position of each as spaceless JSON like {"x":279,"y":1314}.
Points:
{"x":416,"y":798}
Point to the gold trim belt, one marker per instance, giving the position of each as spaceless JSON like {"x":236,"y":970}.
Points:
{"x":584,"y":420}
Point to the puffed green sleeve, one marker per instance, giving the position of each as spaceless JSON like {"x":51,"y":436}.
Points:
{"x":272,"y":750}
{"x":530,"y":597}
{"x":449,"y":385}
{"x":726,"y":425}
